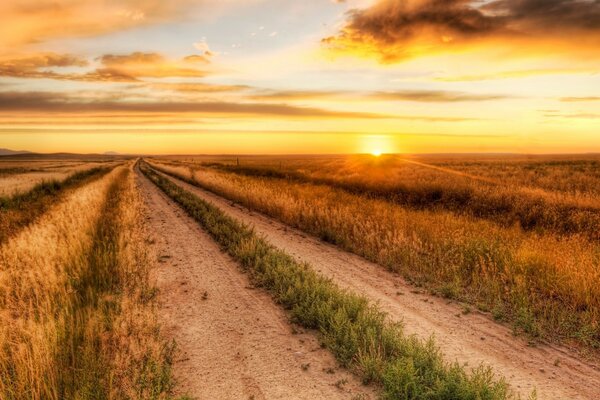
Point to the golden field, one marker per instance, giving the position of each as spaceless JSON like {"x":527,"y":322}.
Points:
{"x":515,"y":237}
{"x":77,"y":315}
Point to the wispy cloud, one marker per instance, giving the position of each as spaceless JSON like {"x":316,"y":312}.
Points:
{"x":435,"y":96}
{"x":517,"y":74}
{"x":424,"y":96}
{"x":34,"y":21}
{"x":116,"y":68}
{"x":579,"y":99}
{"x":60,"y":103}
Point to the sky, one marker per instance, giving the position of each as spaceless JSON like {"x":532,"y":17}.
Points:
{"x":300,"y":77}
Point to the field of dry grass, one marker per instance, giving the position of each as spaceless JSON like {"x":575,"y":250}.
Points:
{"x":513,"y":237}
{"x":17,"y":177}
{"x":522,"y":246}
{"x":77,"y":315}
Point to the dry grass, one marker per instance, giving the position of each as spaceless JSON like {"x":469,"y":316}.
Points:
{"x":76,"y":308}
{"x":508,"y":199}
{"x":21,"y":210}
{"x":22,"y":177}
{"x":545,"y":284}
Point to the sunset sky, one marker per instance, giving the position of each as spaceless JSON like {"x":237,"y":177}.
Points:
{"x":286,"y":76}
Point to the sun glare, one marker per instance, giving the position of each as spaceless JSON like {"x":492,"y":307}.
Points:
{"x":376,"y":145}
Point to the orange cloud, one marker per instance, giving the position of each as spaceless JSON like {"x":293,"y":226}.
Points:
{"x":394,"y":30}
{"x":147,"y":65}
{"x":30,"y":21}
{"x":114,"y":68}
{"x":35,"y":66}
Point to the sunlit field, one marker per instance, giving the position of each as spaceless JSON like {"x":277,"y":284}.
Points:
{"x":19,"y":176}
{"x":300,"y":200}
{"x":505,"y":246}
{"x":513,"y":236}
{"x":76,"y":302}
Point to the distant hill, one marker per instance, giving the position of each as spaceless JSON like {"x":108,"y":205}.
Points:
{"x":8,"y":152}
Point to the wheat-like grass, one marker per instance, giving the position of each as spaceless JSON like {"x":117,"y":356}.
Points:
{"x":35,"y":287}
{"x":543,"y":283}
{"x":14,"y":184}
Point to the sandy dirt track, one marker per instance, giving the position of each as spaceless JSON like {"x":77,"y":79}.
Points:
{"x":232,"y":342}
{"x":473,"y":339}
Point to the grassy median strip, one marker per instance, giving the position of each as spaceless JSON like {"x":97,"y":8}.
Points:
{"x":21,"y":210}
{"x":355,"y":331}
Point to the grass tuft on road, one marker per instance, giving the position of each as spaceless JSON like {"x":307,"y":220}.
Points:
{"x":354,"y":330}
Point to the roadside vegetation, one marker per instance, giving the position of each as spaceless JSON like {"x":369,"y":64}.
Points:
{"x":355,"y":331}
{"x":544,"y":284}
{"x":21,"y":210}
{"x":77,"y":307}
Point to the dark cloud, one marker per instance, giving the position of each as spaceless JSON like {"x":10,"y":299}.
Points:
{"x":35,"y":66}
{"x":55,"y":102}
{"x":393,"y":30}
{"x":133,"y":58}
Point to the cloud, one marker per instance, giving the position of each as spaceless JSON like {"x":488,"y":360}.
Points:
{"x":293,"y":95}
{"x":198,"y":87}
{"x":113,"y":68}
{"x":395,"y":30}
{"x":434,"y":96}
{"x":197,"y":59}
{"x":48,"y":102}
{"x":515,"y":74}
{"x":35,"y":66}
{"x":34,"y":21}
{"x":555,"y":114}
{"x":147,"y":65}
{"x":579,"y":99}
{"x":425,"y":96}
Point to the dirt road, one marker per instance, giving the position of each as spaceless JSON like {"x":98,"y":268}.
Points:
{"x":472,"y":339}
{"x":233,"y":342}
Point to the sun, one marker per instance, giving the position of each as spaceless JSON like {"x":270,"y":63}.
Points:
{"x":376,"y":145}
